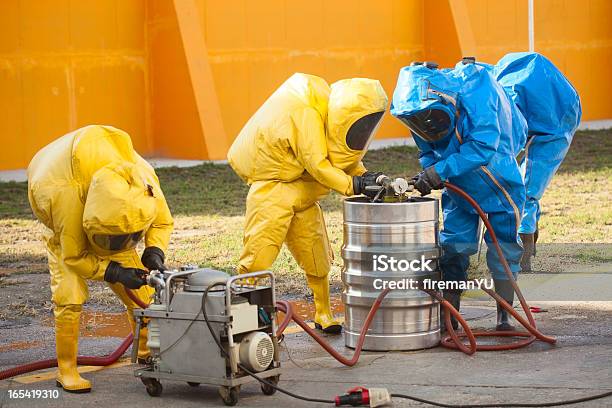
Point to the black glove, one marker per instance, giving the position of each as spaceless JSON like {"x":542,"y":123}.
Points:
{"x":153,"y":258}
{"x":427,"y":180}
{"x":131,"y":278}
{"x":366,"y":179}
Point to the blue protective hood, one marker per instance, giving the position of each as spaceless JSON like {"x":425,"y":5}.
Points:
{"x":547,"y":100}
{"x":479,"y":155}
{"x":468,"y":90}
{"x":420,"y":88}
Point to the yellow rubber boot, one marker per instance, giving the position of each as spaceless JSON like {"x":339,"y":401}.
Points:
{"x":324,"y":319}
{"x":66,"y":346}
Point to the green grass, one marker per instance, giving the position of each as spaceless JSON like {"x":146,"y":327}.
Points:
{"x":208,"y":204}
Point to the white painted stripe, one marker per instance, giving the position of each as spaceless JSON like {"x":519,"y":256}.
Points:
{"x":396,"y":141}
{"x":158,"y":162}
{"x":595,"y":124}
{"x":530,"y":27}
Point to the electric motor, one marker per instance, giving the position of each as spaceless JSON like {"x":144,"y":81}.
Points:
{"x":256,"y":351}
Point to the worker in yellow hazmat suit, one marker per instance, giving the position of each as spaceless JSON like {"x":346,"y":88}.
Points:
{"x":303,"y":141}
{"x":97,"y":198}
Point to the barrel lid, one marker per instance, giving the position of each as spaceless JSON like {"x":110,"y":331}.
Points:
{"x":200,"y":280}
{"x":413,"y":210}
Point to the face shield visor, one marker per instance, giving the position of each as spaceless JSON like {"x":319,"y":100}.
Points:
{"x":431,"y":125}
{"x":119,"y":242}
{"x":361,"y":132}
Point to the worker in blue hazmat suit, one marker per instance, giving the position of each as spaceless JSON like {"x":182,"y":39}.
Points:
{"x":519,"y":124}
{"x":461,"y":121}
{"x":97,"y":198}
{"x":551,"y":107}
{"x":306,"y":139}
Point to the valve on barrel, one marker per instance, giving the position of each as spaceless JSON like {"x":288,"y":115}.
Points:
{"x":388,"y":190}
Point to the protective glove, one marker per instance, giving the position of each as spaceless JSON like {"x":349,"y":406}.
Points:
{"x":427,"y":180}
{"x":153,"y":258}
{"x":366,"y":179}
{"x":131,"y":278}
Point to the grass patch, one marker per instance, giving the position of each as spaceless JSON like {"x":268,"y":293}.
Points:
{"x":208,"y":204}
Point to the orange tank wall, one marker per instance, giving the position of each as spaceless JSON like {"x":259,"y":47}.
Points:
{"x":254,"y":46}
{"x":575,"y":35}
{"x":65,"y":64}
{"x":183,"y":76}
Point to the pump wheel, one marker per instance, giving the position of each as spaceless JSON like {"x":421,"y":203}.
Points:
{"x":153,"y":386}
{"x":193,"y":384}
{"x":229,"y":395}
{"x":267,"y":389}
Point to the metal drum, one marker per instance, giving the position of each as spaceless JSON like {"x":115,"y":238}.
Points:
{"x":408,"y":319}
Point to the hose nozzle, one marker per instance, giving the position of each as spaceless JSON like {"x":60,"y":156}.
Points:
{"x":398,"y":186}
{"x":156,"y":280}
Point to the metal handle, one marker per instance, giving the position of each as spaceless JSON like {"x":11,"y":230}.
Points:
{"x":168,"y":287}
{"x":136,"y":339}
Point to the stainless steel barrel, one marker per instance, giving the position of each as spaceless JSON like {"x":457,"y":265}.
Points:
{"x":408,"y":319}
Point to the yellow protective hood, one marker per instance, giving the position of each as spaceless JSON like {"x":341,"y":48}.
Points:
{"x":119,"y":201}
{"x":351,"y":100}
{"x":95,"y":146}
{"x":310,"y":89}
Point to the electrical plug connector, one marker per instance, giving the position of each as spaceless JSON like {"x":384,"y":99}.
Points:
{"x":359,"y":396}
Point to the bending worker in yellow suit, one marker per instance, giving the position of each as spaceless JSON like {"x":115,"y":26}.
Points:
{"x":98,"y":198}
{"x":303,"y":141}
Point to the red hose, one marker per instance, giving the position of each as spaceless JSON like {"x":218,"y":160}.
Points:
{"x":81,"y":360}
{"x":454,"y":339}
{"x":285,"y":307}
{"x":532,"y":332}
{"x":451,"y":341}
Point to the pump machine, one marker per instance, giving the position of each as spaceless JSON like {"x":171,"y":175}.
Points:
{"x":190,"y":307}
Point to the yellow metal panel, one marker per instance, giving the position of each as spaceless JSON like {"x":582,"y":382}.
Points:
{"x":13,"y":154}
{"x":441,"y":39}
{"x":117,"y":101}
{"x":265,"y":24}
{"x":202,"y":82}
{"x":265,"y":75}
{"x":227,"y":25}
{"x":461,"y":15}
{"x":67,"y":63}
{"x":305,"y":29}
{"x":229,"y":78}
{"x":65,"y":66}
{"x":93,"y":25}
{"x":45,"y":25}
{"x":375,"y":23}
{"x":9,"y":26}
{"x":175,"y":123}
{"x":46,"y":113}
{"x":131,"y":24}
{"x":342,"y":24}
{"x":408,"y":24}
{"x":577,"y":36}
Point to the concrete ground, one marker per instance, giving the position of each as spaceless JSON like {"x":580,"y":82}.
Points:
{"x":579,"y":365}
